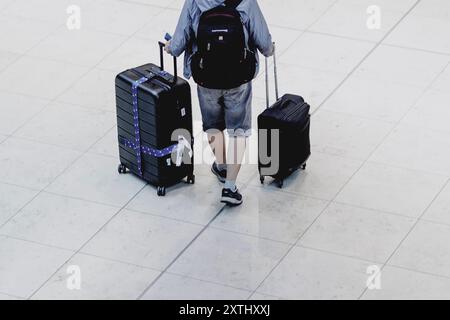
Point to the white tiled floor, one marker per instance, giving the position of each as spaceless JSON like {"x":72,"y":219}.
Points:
{"x":376,"y":191}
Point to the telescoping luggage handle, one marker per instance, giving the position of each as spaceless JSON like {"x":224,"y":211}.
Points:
{"x":161,"y":57}
{"x":275,"y":71}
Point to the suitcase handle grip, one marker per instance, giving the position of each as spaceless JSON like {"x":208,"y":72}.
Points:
{"x":275,"y":71}
{"x":287,"y":103}
{"x":161,"y":57}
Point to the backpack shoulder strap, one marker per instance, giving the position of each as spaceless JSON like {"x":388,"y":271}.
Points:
{"x":232,"y":3}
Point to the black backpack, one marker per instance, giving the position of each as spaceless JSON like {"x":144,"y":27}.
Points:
{"x":223,"y":60}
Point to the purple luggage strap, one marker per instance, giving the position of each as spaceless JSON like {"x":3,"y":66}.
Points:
{"x":136,"y":145}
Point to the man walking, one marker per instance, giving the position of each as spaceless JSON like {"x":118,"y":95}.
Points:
{"x":220,"y":39}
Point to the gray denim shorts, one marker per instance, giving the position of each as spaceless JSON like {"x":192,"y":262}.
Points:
{"x":227,"y":109}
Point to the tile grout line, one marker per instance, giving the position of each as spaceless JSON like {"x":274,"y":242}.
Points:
{"x":119,"y":262}
{"x":77,"y":159}
{"x":121,"y":209}
{"x":212,"y":227}
{"x":72,"y":104}
{"x":393,"y":122}
{"x":332,"y":35}
{"x":443,"y":187}
{"x":170,"y":273}
{"x":417,"y":49}
{"x":60,"y":146}
{"x":418,"y":220}
{"x":20,"y":186}
{"x":140,"y":296}
{"x":343,"y":157}
{"x":419,"y":271}
{"x":81,"y":154}
{"x":162,"y":9}
{"x":377,"y":45}
{"x":76,"y":198}
{"x":12,"y":296}
{"x":43,"y":190}
{"x":439,"y":223}
{"x":20,"y":56}
{"x":204,"y":228}
{"x":36,"y":242}
{"x":375,"y":211}
{"x":100,"y":229}
{"x":389,"y":134}
{"x":332,"y":253}
{"x":430,"y":173}
{"x":50,"y":101}
{"x":297,"y":242}
{"x":55,"y":99}
{"x":228,"y":231}
{"x":328,"y":201}
{"x":14,"y":60}
{"x":392,"y":130}
{"x":85,"y":243}
{"x":302,"y":32}
{"x":374,"y":42}
{"x":354,"y":174}
{"x":289,"y":250}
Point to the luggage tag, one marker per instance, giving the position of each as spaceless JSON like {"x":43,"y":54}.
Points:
{"x":182,"y":110}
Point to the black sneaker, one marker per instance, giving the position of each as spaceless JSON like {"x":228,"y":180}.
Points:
{"x":220,"y":174}
{"x":231,"y":198}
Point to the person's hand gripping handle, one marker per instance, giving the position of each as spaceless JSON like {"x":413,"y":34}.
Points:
{"x":167,"y":37}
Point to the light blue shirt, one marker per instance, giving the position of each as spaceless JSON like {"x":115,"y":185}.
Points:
{"x":256,"y":30}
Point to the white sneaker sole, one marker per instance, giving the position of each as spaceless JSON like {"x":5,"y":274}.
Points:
{"x":231,"y":201}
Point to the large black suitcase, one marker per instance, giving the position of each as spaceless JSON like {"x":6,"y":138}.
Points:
{"x":283,"y":134}
{"x":154,"y":121}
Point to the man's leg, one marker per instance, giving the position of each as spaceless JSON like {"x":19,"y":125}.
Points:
{"x":236,"y":152}
{"x":238,"y":120}
{"x":214,"y":124}
{"x":216,"y":140}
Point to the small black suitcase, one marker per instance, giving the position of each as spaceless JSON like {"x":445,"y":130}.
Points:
{"x":286,"y":123}
{"x":154,"y":120}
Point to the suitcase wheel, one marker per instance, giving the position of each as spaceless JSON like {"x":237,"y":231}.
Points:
{"x":122,"y":169}
{"x":191,"y":179}
{"x":261,"y":178}
{"x":304,"y":166}
{"x":161,"y":191}
{"x":280,"y":183}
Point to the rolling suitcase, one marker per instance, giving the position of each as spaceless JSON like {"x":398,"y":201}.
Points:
{"x":154,"y":121}
{"x":283,"y":134}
